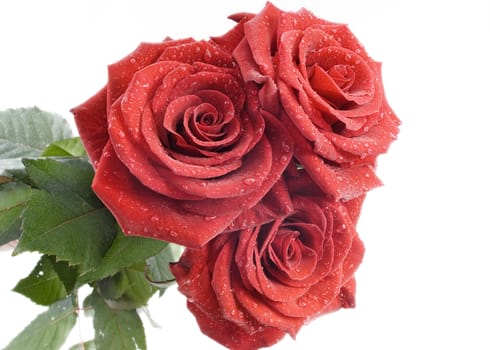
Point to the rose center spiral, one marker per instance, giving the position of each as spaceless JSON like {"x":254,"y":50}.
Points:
{"x":344,"y":75}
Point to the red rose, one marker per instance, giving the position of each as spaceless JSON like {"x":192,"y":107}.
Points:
{"x":249,"y":288}
{"x":330,"y":89}
{"x":180,"y":148}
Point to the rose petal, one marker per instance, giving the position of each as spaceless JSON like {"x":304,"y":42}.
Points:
{"x":347,"y":294}
{"x":222,"y":286}
{"x":193,"y":278}
{"x":282,"y":149}
{"x":121,"y":72}
{"x":198,"y":51}
{"x":354,"y":207}
{"x":340,"y":183}
{"x":276,"y":203}
{"x":260,"y":32}
{"x":91,"y":120}
{"x":254,"y":303}
{"x":231,"y":336}
{"x":142,"y":212}
{"x":318,"y":297}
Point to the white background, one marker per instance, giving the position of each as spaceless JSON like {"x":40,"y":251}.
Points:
{"x":425,"y":281}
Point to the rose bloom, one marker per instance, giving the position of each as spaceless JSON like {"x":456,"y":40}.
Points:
{"x":179,"y":146}
{"x":249,"y":288}
{"x":330,"y":89}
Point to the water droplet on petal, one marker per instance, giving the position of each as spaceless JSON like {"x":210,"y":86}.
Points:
{"x":249,"y":181}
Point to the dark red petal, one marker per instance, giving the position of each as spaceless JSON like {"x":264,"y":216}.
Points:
{"x":374,"y":141}
{"x":282,"y":149}
{"x":340,"y":183}
{"x":233,"y":337}
{"x":347,"y":294}
{"x":298,"y":267}
{"x":304,"y":125}
{"x":315,"y":300}
{"x":353,"y":259}
{"x":275,"y":290}
{"x":276,"y":203}
{"x":135,"y":158}
{"x":362,"y":89}
{"x":250,"y":133}
{"x":230,"y":39}
{"x":184,"y":165}
{"x":91,"y":121}
{"x":322,"y":243}
{"x":222,"y":286}
{"x":343,"y":234}
{"x":260,"y":32}
{"x":299,"y":20}
{"x":354,"y":207}
{"x":193,"y":276}
{"x":245,"y":256}
{"x":253,"y":172}
{"x":198,"y":51}
{"x":256,"y":306}
{"x":142,"y":212}
{"x":121,"y":72}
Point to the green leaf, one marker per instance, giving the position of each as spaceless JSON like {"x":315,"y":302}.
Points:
{"x":125,"y":251}
{"x":13,"y":199}
{"x":113,"y":287}
{"x":53,"y":225}
{"x":71,"y":147}
{"x":88,"y":345}
{"x":65,"y":218}
{"x":116,"y":329}
{"x":49,"y":330}
{"x":68,"y":177}
{"x":67,"y":274}
{"x":158,"y":271}
{"x":127,"y":290}
{"x":25,"y":132}
{"x":43,"y":285}
{"x":139,"y":289}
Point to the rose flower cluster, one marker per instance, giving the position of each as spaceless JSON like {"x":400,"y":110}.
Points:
{"x":255,"y":151}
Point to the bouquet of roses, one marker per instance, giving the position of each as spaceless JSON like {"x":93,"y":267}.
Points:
{"x":253,"y":150}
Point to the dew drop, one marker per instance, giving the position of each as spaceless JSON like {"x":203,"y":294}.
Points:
{"x":173,"y":233}
{"x":286,"y":147}
{"x":249,"y":181}
{"x":302,"y":303}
